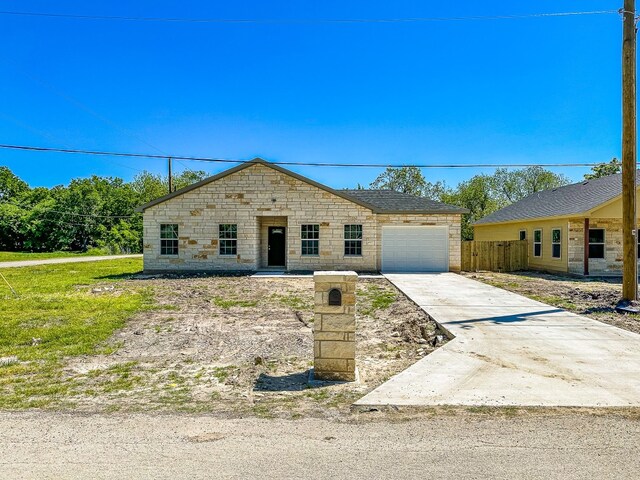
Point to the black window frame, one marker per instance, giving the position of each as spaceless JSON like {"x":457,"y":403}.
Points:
{"x":597,"y":246}
{"x":353,"y":240}
{"x":556,"y":246}
{"x":169,"y":239}
{"x":228,"y":239}
{"x":537,"y":243}
{"x":310,"y":239}
{"x":521,"y":236}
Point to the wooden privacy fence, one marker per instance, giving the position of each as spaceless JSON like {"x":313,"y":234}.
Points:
{"x":494,"y":256}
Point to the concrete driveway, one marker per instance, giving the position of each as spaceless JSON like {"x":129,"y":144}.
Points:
{"x":510,"y":350}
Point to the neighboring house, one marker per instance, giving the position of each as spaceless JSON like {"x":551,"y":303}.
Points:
{"x":575,"y":229}
{"x":259,"y":215}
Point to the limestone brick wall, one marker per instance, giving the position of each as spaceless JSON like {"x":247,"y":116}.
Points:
{"x":242,"y":197}
{"x":575,"y":246}
{"x":257,"y":197}
{"x":334,"y":327}
{"x":453,"y":221}
{"x":611,"y":264}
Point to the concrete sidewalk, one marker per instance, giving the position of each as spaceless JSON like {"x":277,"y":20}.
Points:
{"x":510,"y":350}
{"x":48,"y":261}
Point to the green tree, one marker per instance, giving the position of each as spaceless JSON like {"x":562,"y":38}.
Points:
{"x":509,"y":186}
{"x":188,"y":177}
{"x":476,"y":195}
{"x":10,"y":185}
{"x":11,"y":227}
{"x":401,"y":179}
{"x":89,"y":212}
{"x":604,"y":169}
{"x":149,"y":186}
{"x":408,"y":180}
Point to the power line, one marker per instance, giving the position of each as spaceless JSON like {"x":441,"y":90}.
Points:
{"x":59,"y":222}
{"x":302,"y":164}
{"x":84,"y":215}
{"x":304,"y":20}
{"x":49,"y":136}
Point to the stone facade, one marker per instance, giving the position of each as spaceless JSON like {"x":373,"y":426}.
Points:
{"x":611,"y":264}
{"x":257,"y":197}
{"x":334,"y":327}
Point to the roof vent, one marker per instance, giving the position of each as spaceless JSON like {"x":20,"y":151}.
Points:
{"x":584,"y":183}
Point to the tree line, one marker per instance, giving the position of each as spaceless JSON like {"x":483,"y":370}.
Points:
{"x":99,"y":212}
{"x":89,"y":213}
{"x":482,"y":194}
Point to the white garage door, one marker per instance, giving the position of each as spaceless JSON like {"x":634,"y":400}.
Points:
{"x":415,"y":249}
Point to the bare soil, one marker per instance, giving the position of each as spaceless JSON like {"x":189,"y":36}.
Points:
{"x":593,"y":297}
{"x":243,"y":345}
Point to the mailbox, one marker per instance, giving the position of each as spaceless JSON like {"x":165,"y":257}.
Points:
{"x":334,"y":328}
{"x":335,"y":297}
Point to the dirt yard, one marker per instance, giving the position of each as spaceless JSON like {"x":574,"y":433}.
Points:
{"x":240,"y":346}
{"x":594,"y":297}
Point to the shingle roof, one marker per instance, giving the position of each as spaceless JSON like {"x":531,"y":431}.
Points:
{"x":572,"y":199}
{"x":390,"y":201}
{"x":382,"y":201}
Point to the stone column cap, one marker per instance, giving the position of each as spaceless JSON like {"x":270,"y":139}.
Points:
{"x":334,"y":276}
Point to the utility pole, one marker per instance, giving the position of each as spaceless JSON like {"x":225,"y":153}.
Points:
{"x":629,"y":240}
{"x":170,"y":177}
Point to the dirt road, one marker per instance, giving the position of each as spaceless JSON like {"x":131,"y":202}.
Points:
{"x":449,"y":446}
{"x":48,"y":261}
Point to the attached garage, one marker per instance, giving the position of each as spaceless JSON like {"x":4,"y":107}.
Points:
{"x":243,"y":218}
{"x":415,"y":249}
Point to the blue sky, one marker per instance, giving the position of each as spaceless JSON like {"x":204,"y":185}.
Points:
{"x":537,"y":90}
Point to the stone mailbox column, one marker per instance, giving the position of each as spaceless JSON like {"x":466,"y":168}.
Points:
{"x":334,"y":328}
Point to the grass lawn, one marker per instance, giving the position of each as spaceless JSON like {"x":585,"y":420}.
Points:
{"x":58,"y":314}
{"x":91,"y":337}
{"x":17,"y":256}
{"x":95,"y":337}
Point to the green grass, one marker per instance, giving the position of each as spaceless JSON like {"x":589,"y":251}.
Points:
{"x":17,"y":256}
{"x":233,"y":302}
{"x":318,"y":394}
{"x":294,"y":302}
{"x":56,"y":316}
{"x":375,"y":298}
{"x":222,"y":373}
{"x":554,"y":300}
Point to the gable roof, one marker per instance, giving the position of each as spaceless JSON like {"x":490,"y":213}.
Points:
{"x":390,"y":201}
{"x":577,"y":198}
{"x":372,"y":202}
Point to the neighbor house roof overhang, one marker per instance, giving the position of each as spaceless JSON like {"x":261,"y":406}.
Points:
{"x":578,"y":199}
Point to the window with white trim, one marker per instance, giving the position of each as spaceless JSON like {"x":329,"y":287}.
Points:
{"x":523,"y":234}
{"x":353,"y":240}
{"x":169,"y":239}
{"x":596,"y":243}
{"x":310,"y":238}
{"x":537,"y":243}
{"x":228,"y":238}
{"x":556,"y":243}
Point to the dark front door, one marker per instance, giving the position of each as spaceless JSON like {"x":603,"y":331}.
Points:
{"x":277,"y":246}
